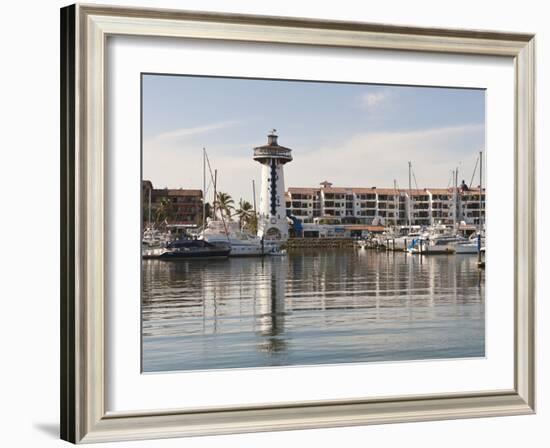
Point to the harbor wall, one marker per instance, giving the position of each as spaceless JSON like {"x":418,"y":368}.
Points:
{"x":315,"y":243}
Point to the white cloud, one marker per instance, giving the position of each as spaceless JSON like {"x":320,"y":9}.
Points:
{"x":182,"y":133}
{"x":369,"y":100}
{"x":375,"y":159}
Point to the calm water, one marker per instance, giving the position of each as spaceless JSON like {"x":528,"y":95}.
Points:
{"x":311,"y":307}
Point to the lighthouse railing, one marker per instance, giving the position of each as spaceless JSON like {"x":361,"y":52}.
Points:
{"x":273,"y":152}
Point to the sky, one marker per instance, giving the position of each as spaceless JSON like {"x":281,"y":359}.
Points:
{"x":353,"y":135}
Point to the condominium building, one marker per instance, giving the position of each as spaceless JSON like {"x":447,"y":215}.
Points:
{"x":385,"y":206}
{"x":176,"y":207}
{"x":305,"y":203}
{"x":472,"y":207}
{"x":442,"y":205}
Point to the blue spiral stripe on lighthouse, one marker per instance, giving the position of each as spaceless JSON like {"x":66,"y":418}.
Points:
{"x":273,"y":187}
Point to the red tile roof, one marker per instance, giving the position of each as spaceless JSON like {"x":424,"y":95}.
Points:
{"x":176,"y":192}
{"x":299,"y":190}
{"x":416,"y":192}
{"x":387,"y":191}
{"x":473,"y":192}
{"x":336,"y":190}
{"x":440,"y":190}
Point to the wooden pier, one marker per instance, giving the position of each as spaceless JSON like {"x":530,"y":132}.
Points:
{"x":320,"y":243}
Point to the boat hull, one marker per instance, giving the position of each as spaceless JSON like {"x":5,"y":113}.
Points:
{"x":190,"y":255}
{"x":188,"y":249}
{"x":433,"y":250}
{"x":239,"y":248}
{"x":466,"y":249}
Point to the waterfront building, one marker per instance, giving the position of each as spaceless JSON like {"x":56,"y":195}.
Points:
{"x":272,"y":217}
{"x":173,"y":207}
{"x":390,"y":205}
{"x":333,"y":200}
{"x":328,"y":204}
{"x":442,"y":205}
{"x":305,"y":203}
{"x":471,"y":209}
{"x":419,"y":207}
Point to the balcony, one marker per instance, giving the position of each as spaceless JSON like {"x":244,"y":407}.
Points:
{"x":264,"y":154}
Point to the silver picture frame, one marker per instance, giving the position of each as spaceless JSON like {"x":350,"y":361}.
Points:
{"x":84,"y":32}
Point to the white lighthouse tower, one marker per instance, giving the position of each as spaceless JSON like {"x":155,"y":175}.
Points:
{"x":272,"y":223}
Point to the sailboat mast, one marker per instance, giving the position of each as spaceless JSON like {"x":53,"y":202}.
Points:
{"x":203,"y":187}
{"x":395,"y":204}
{"x":457,"y":204}
{"x":149,"y":212}
{"x":410,"y":197}
{"x":254,"y":195}
{"x":214,"y":179}
{"x":215,"y":186}
{"x":219,"y":206}
{"x":480,"y":189}
{"x":254,"y":203}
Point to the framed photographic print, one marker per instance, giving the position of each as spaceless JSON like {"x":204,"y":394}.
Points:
{"x":279,"y":223}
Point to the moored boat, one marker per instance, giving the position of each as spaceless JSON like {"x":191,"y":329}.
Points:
{"x":186,"y":248}
{"x":155,"y":238}
{"x":399,"y":238}
{"x":443,"y":244}
{"x":466,"y":248}
{"x":242,"y":243}
{"x":472,"y":246}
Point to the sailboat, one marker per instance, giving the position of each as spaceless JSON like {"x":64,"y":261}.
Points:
{"x":439,"y":239}
{"x":477,"y":241}
{"x":222,"y":230}
{"x":242,"y":243}
{"x":153,"y":240}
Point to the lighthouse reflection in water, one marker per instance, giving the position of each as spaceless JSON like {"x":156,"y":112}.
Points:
{"x":310,"y":307}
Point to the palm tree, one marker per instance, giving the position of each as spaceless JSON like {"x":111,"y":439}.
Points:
{"x":208,"y":210}
{"x":164,"y":211}
{"x":225,"y":203}
{"x":252,"y":223}
{"x":245,"y":212}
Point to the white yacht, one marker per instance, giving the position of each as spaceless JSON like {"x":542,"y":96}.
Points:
{"x":154,"y":242}
{"x":470,"y":246}
{"x":401,"y":238}
{"x":439,"y":240}
{"x":466,"y":248}
{"x":155,"y":238}
{"x":404,"y":242}
{"x":444,"y":244}
{"x":242,"y":243}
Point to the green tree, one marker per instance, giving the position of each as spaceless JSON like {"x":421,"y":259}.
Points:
{"x":164,"y":211}
{"x":252,"y":224}
{"x":245,"y":212}
{"x":208,"y":210}
{"x":224,"y":203}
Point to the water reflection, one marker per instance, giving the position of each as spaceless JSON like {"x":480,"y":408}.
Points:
{"x":310,"y":307}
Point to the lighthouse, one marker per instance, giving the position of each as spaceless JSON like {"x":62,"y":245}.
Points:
{"x":272,"y":223}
